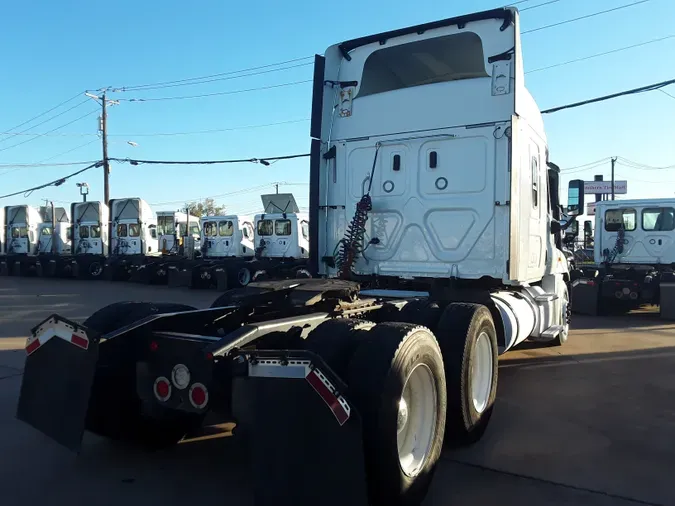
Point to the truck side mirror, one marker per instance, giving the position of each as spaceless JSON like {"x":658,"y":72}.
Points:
{"x":588,"y":230}
{"x":574,"y":229}
{"x":575,"y":197}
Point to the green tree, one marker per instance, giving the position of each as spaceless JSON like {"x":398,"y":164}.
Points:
{"x":207,"y":207}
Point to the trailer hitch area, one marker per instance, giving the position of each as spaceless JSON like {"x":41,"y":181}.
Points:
{"x":58,"y":378}
{"x":303,"y":433}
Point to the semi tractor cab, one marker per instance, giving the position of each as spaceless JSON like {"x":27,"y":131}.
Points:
{"x":21,"y":233}
{"x":134,"y":240}
{"x":435,"y":239}
{"x":91,"y":238}
{"x":227,"y":237}
{"x":173,"y":229}
{"x":634,"y":248}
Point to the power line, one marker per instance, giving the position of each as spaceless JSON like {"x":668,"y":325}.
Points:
{"x":585,"y":17}
{"x":39,"y":164}
{"x":43,"y":113}
{"x":230,"y":194}
{"x":633,"y":91}
{"x":186,"y":97}
{"x":42,"y":164}
{"x":600,"y":54}
{"x":642,"y":166}
{"x":56,"y":182}
{"x":587,"y":165}
{"x":664,"y":91}
{"x":218,"y":79}
{"x":263,"y":161}
{"x":249,"y":69}
{"x":231,"y":129}
{"x":45,"y":121}
{"x":49,"y":135}
{"x":539,"y":5}
{"x":52,"y":130}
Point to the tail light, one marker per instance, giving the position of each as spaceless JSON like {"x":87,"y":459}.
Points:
{"x":199,"y":395}
{"x":162,"y":389}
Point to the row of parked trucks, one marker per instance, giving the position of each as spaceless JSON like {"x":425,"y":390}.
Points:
{"x":128,"y":240}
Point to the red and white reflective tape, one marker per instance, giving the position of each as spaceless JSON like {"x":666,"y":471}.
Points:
{"x":337,"y":404}
{"x":298,"y":369}
{"x":54,"y":328}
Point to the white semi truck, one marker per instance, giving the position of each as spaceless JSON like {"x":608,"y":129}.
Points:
{"x":173,"y":228}
{"x":21,"y":225}
{"x":91,"y":238}
{"x":634,"y":248}
{"x":435,"y":242}
{"x":133,"y":237}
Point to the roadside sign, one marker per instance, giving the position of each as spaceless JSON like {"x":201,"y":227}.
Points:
{"x":605,"y":187}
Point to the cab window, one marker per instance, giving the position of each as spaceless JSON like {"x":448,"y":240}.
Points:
{"x":19,"y":232}
{"x":265,"y":227}
{"x":225,"y":229}
{"x":305,"y":229}
{"x":95,"y":231}
{"x":658,"y":219}
{"x":210,"y":229}
{"x":616,"y":218}
{"x":69,"y":233}
{"x":153,"y":231}
{"x":122,"y":230}
{"x":282,"y":227}
{"x":84,"y":231}
{"x":46,"y":231}
{"x":134,"y":230}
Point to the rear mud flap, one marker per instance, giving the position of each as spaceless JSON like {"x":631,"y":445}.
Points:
{"x":304,"y":447}
{"x":57,"y":380}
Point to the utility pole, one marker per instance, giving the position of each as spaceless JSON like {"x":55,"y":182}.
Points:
{"x":104,"y":138}
{"x":613,"y":162}
{"x":106,"y":163}
{"x":276,"y":185}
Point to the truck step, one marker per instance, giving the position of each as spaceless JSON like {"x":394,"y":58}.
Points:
{"x":546,"y":297}
{"x":551,"y":332}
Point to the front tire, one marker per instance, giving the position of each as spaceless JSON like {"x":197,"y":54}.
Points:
{"x":468,"y":339}
{"x":397,"y":383}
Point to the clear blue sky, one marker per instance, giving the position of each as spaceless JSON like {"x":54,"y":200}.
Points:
{"x":52,"y":50}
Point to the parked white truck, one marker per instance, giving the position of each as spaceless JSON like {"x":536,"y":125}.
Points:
{"x":91,"y":238}
{"x":22,"y":237}
{"x":634,"y":247}
{"x":429,"y":186}
{"x":134,"y":240}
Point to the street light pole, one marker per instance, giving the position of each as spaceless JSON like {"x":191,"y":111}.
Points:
{"x":613,"y":162}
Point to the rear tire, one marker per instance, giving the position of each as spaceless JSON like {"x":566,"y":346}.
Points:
{"x":468,"y":339}
{"x":420,"y":312}
{"x":397,"y":383}
{"x":336,"y":340}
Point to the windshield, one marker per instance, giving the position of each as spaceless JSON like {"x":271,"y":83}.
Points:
{"x":265,"y":227}
{"x":95,"y":231}
{"x":19,"y":232}
{"x":122,"y":230}
{"x":165,"y":225}
{"x":134,"y":230}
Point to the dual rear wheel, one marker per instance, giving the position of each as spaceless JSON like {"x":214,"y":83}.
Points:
{"x":414,"y":389}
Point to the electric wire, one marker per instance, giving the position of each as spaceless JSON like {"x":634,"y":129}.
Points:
{"x":599,"y":13}
{"x":50,"y":131}
{"x":56,"y":182}
{"x":41,"y":114}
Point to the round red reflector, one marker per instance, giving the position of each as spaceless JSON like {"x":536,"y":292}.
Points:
{"x":199,"y":396}
{"x":209,"y":356}
{"x":154,"y":346}
{"x":162,"y":389}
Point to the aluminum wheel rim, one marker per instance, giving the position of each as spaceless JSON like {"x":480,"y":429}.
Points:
{"x":416,"y":422}
{"x":566,"y":315}
{"x":95,"y":269}
{"x":244,"y":277}
{"x":481,"y":372}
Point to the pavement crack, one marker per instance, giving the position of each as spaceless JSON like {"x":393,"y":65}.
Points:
{"x":554,"y":483}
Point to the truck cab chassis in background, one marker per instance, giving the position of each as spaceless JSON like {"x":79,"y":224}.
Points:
{"x":435,"y":240}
